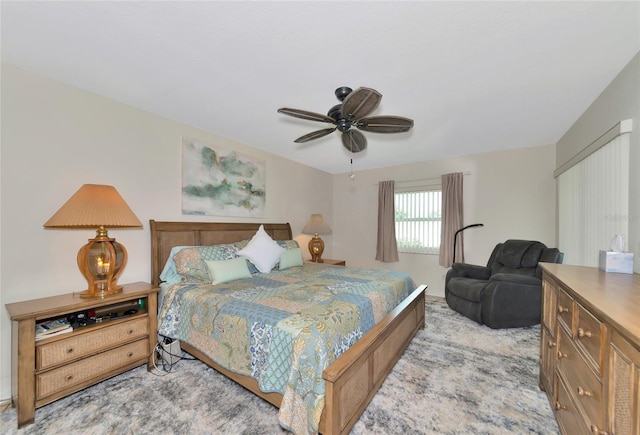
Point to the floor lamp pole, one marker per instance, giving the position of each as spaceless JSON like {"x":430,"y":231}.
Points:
{"x":455,"y":238}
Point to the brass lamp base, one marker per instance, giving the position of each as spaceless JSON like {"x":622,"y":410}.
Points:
{"x":101,"y":261}
{"x":97,"y":292}
{"x":316,"y":248}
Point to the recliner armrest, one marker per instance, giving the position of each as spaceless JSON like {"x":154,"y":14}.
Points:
{"x":470,"y":271}
{"x":515,"y":279}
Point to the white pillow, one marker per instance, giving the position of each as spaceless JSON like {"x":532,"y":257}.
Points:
{"x":262,"y":251}
{"x":291,"y":258}
{"x":227,"y":270}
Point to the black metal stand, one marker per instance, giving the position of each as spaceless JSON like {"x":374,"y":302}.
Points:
{"x":455,"y":238}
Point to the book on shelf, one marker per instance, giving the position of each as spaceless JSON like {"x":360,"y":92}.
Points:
{"x":51,"y":328}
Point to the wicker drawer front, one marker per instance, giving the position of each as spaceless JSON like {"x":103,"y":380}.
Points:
{"x":84,"y":370}
{"x":581,"y":380}
{"x":588,"y":334}
{"x":77,"y":346}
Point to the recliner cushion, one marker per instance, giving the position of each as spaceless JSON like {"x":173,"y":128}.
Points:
{"x":467,"y":288}
{"x":520,"y":253}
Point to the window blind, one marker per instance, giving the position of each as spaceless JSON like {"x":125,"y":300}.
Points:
{"x":593,"y":202}
{"x":418,"y":218}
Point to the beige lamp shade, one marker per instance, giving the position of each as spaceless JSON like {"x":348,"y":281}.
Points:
{"x":92,"y":206}
{"x":316,"y":225}
{"x":102,"y":260}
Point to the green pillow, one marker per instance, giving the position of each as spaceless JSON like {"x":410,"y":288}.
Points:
{"x":227,"y":270}
{"x":291,"y":258}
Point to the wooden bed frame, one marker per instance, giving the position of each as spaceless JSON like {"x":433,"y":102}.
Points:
{"x":355,"y":377}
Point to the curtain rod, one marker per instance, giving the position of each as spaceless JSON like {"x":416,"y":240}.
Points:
{"x":424,"y":179}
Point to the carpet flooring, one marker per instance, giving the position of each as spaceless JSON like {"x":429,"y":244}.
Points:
{"x":456,"y":377}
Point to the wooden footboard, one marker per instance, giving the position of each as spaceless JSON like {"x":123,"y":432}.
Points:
{"x":354,"y":378}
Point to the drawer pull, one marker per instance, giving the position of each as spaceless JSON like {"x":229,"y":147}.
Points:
{"x":70,"y":350}
{"x":583,"y":333}
{"x":583,"y":392}
{"x":562,"y":309}
{"x":130,"y":354}
{"x":596,"y":430}
{"x":130,"y":331}
{"x":562,"y":355}
{"x":68,"y":377}
{"x":560,"y":406}
{"x":552,"y":343}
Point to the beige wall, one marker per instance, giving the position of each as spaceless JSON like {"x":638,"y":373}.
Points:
{"x":511,"y":192}
{"x":56,"y":138}
{"x":619,"y":101}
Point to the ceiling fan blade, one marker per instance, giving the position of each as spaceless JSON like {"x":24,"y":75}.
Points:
{"x":360,"y":103}
{"x":315,"y":135}
{"x":385,"y":124}
{"x":303,"y":114}
{"x":354,"y":141}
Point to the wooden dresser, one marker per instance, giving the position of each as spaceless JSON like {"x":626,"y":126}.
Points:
{"x":590,"y":349}
{"x":46,"y":370}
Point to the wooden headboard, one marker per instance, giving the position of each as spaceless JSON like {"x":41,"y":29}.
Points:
{"x":166,"y":235}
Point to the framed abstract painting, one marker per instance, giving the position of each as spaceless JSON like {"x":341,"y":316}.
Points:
{"x":221,"y":182}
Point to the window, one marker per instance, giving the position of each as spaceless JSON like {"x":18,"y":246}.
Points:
{"x":418,"y":217}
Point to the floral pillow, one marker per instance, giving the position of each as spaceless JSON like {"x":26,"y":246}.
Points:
{"x":191,"y":262}
{"x":288,"y":244}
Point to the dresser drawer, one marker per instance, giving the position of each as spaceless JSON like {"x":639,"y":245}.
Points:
{"x":588,"y":336}
{"x":582,"y":382}
{"x":62,"y":378}
{"x":568,"y":416}
{"x":548,"y":355}
{"x":62,"y":351}
{"x":565,"y":310}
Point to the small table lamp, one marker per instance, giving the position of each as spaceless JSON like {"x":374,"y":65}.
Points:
{"x":316,"y":225}
{"x":102,"y":260}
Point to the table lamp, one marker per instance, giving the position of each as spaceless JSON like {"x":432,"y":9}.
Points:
{"x":316,"y":225}
{"x":102,"y":260}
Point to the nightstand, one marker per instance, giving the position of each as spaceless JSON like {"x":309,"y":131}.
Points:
{"x":330,"y":261}
{"x":49,"y":369}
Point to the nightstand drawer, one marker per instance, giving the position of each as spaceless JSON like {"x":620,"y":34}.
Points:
{"x":66,"y":377}
{"x":77,"y":346}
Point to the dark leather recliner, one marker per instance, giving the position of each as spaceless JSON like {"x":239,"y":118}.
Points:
{"x":507,"y":292}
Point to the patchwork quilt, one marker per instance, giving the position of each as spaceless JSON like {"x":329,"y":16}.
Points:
{"x":285,"y":327}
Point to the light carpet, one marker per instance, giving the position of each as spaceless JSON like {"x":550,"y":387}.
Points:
{"x":456,"y":377}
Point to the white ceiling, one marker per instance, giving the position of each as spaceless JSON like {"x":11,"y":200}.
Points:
{"x":474,"y":76}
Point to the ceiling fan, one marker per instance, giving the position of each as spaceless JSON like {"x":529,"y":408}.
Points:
{"x":352,"y":112}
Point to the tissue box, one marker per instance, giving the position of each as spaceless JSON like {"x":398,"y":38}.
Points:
{"x":620,"y":262}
